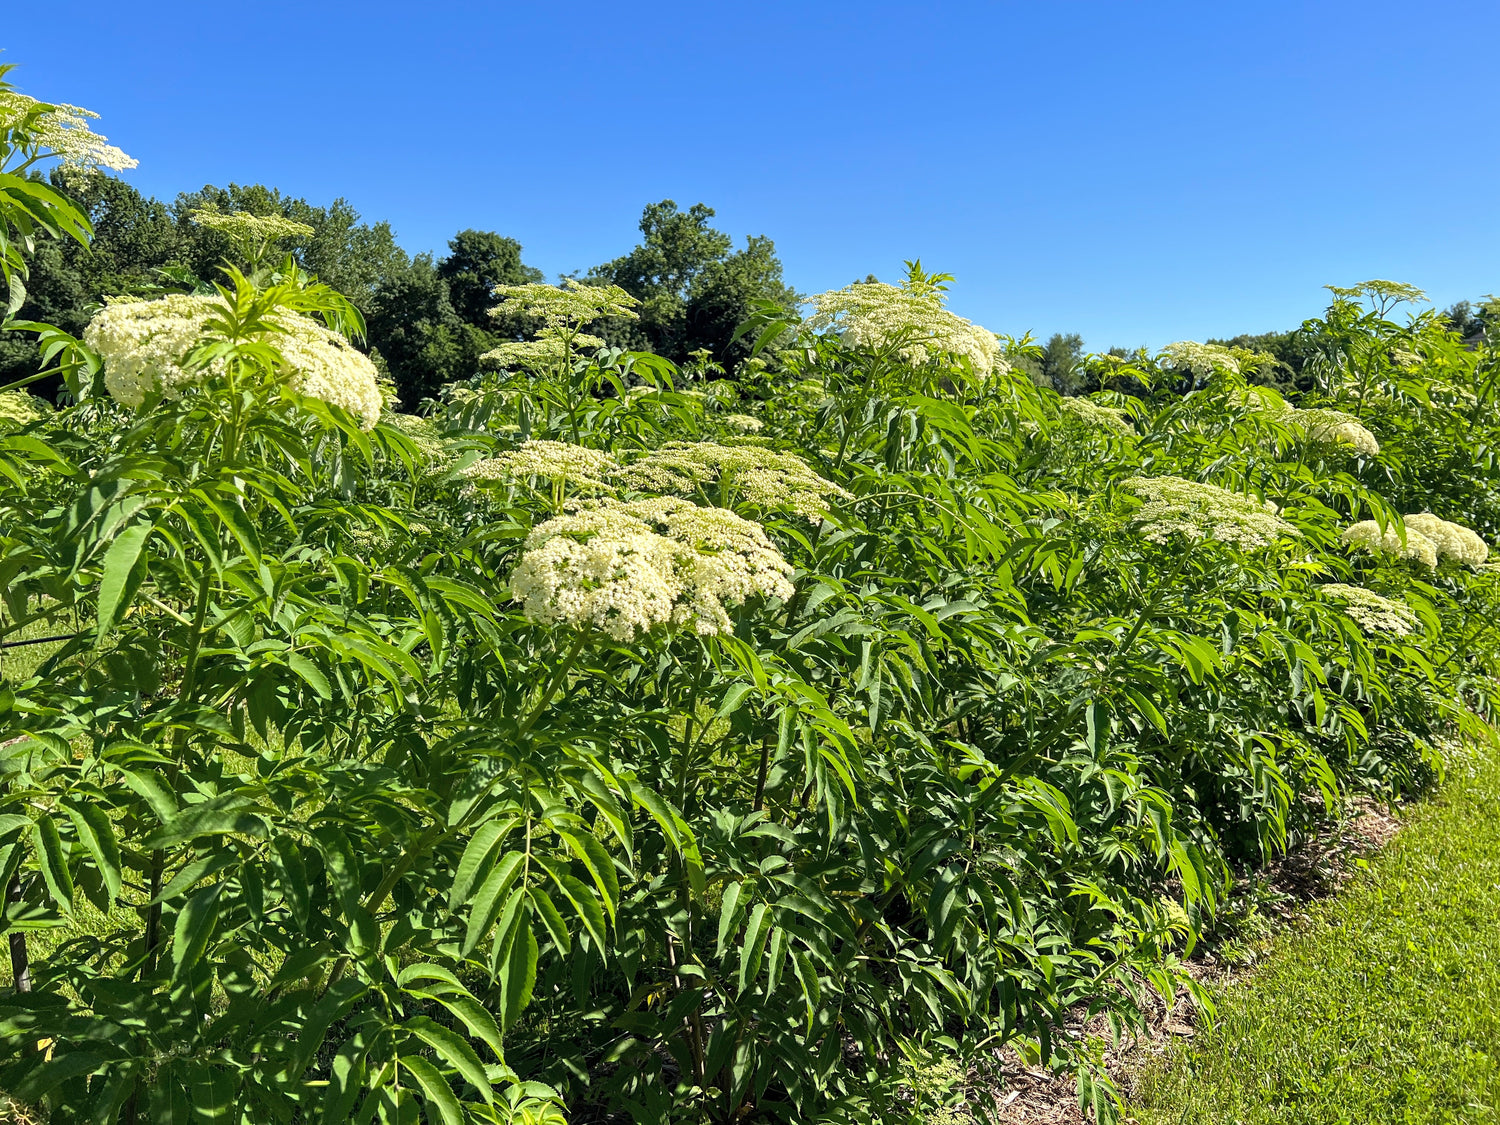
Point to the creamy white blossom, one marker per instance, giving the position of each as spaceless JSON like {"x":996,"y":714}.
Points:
{"x":1452,"y":540}
{"x":1316,"y":424}
{"x":1193,"y":510}
{"x":745,"y":423}
{"x":872,"y":314}
{"x":1095,"y":416}
{"x":1201,"y":359}
{"x":1334,"y":427}
{"x":143,"y":344}
{"x":1370,"y":536}
{"x":581,"y":468}
{"x":17,"y":409}
{"x":627,"y":568}
{"x":551,"y":346}
{"x":64,"y":131}
{"x":1371,"y":612}
{"x":569,"y":305}
{"x":766,"y":478}
{"x":243,"y":227}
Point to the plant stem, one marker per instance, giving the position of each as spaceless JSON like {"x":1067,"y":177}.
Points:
{"x":554,"y":684}
{"x":20,"y":960}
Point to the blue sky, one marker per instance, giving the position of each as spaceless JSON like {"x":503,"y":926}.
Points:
{"x":1136,"y":172}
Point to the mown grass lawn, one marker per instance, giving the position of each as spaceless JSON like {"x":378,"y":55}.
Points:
{"x":1385,"y":1009}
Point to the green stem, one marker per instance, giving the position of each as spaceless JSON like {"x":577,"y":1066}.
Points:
{"x":557,"y":678}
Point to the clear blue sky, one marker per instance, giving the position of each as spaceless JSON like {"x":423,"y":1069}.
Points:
{"x":1136,"y":172}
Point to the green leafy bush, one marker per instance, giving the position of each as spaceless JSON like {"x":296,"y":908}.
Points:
{"x":630,"y":745}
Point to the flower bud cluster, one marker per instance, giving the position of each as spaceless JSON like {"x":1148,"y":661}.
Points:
{"x":1452,"y":540}
{"x":1370,"y":536}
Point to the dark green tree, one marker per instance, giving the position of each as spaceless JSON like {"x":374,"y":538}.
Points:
{"x":420,"y":337}
{"x":695,"y":289}
{"x":477,"y":261}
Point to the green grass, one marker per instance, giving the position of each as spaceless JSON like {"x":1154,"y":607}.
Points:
{"x":1386,"y":1008}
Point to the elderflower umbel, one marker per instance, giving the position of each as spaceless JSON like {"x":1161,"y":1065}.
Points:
{"x":1371,"y":612}
{"x":1095,"y":416}
{"x":1316,"y":424}
{"x":17,"y":409}
{"x":1452,"y":540}
{"x":578,"y":466}
{"x":1369,"y":536}
{"x":64,"y":131}
{"x":745,"y":423}
{"x":142,"y":344}
{"x":549,"y":348}
{"x":1334,"y":427}
{"x":569,"y":305}
{"x":1201,"y":359}
{"x":1175,"y":506}
{"x":872,"y":314}
{"x":766,"y":478}
{"x":245,"y":228}
{"x":626,"y":568}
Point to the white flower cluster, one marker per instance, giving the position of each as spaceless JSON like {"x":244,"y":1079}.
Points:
{"x":569,"y":305}
{"x":64,"y":131}
{"x":1317,"y":424}
{"x":1370,"y":536}
{"x":561,"y":462}
{"x":17,"y":409}
{"x":744,"y":423}
{"x":551,"y":346}
{"x":766,"y":478}
{"x":1095,"y":416}
{"x":626,"y":568}
{"x":143,"y":344}
{"x":1201,"y":359}
{"x":241,"y":226}
{"x":1334,"y":427}
{"x":1175,"y":506}
{"x":871,"y":314}
{"x":1452,"y":540}
{"x":1371,"y":612}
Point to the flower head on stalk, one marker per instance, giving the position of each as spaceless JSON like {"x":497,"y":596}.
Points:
{"x":1371,"y":612}
{"x":910,"y":317}
{"x":64,"y":131}
{"x":143,"y":345}
{"x":563,"y":463}
{"x":1193,"y":510}
{"x":551,"y":346}
{"x":568,"y":306}
{"x":744,"y":423}
{"x":1452,"y":540}
{"x":1316,"y":424}
{"x":627,"y":568}
{"x":1095,"y":416}
{"x":1200,"y":359}
{"x":18,"y":409}
{"x":766,"y":478}
{"x":1367,"y":535}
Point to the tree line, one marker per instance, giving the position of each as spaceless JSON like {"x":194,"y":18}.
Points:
{"x":428,"y":316}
